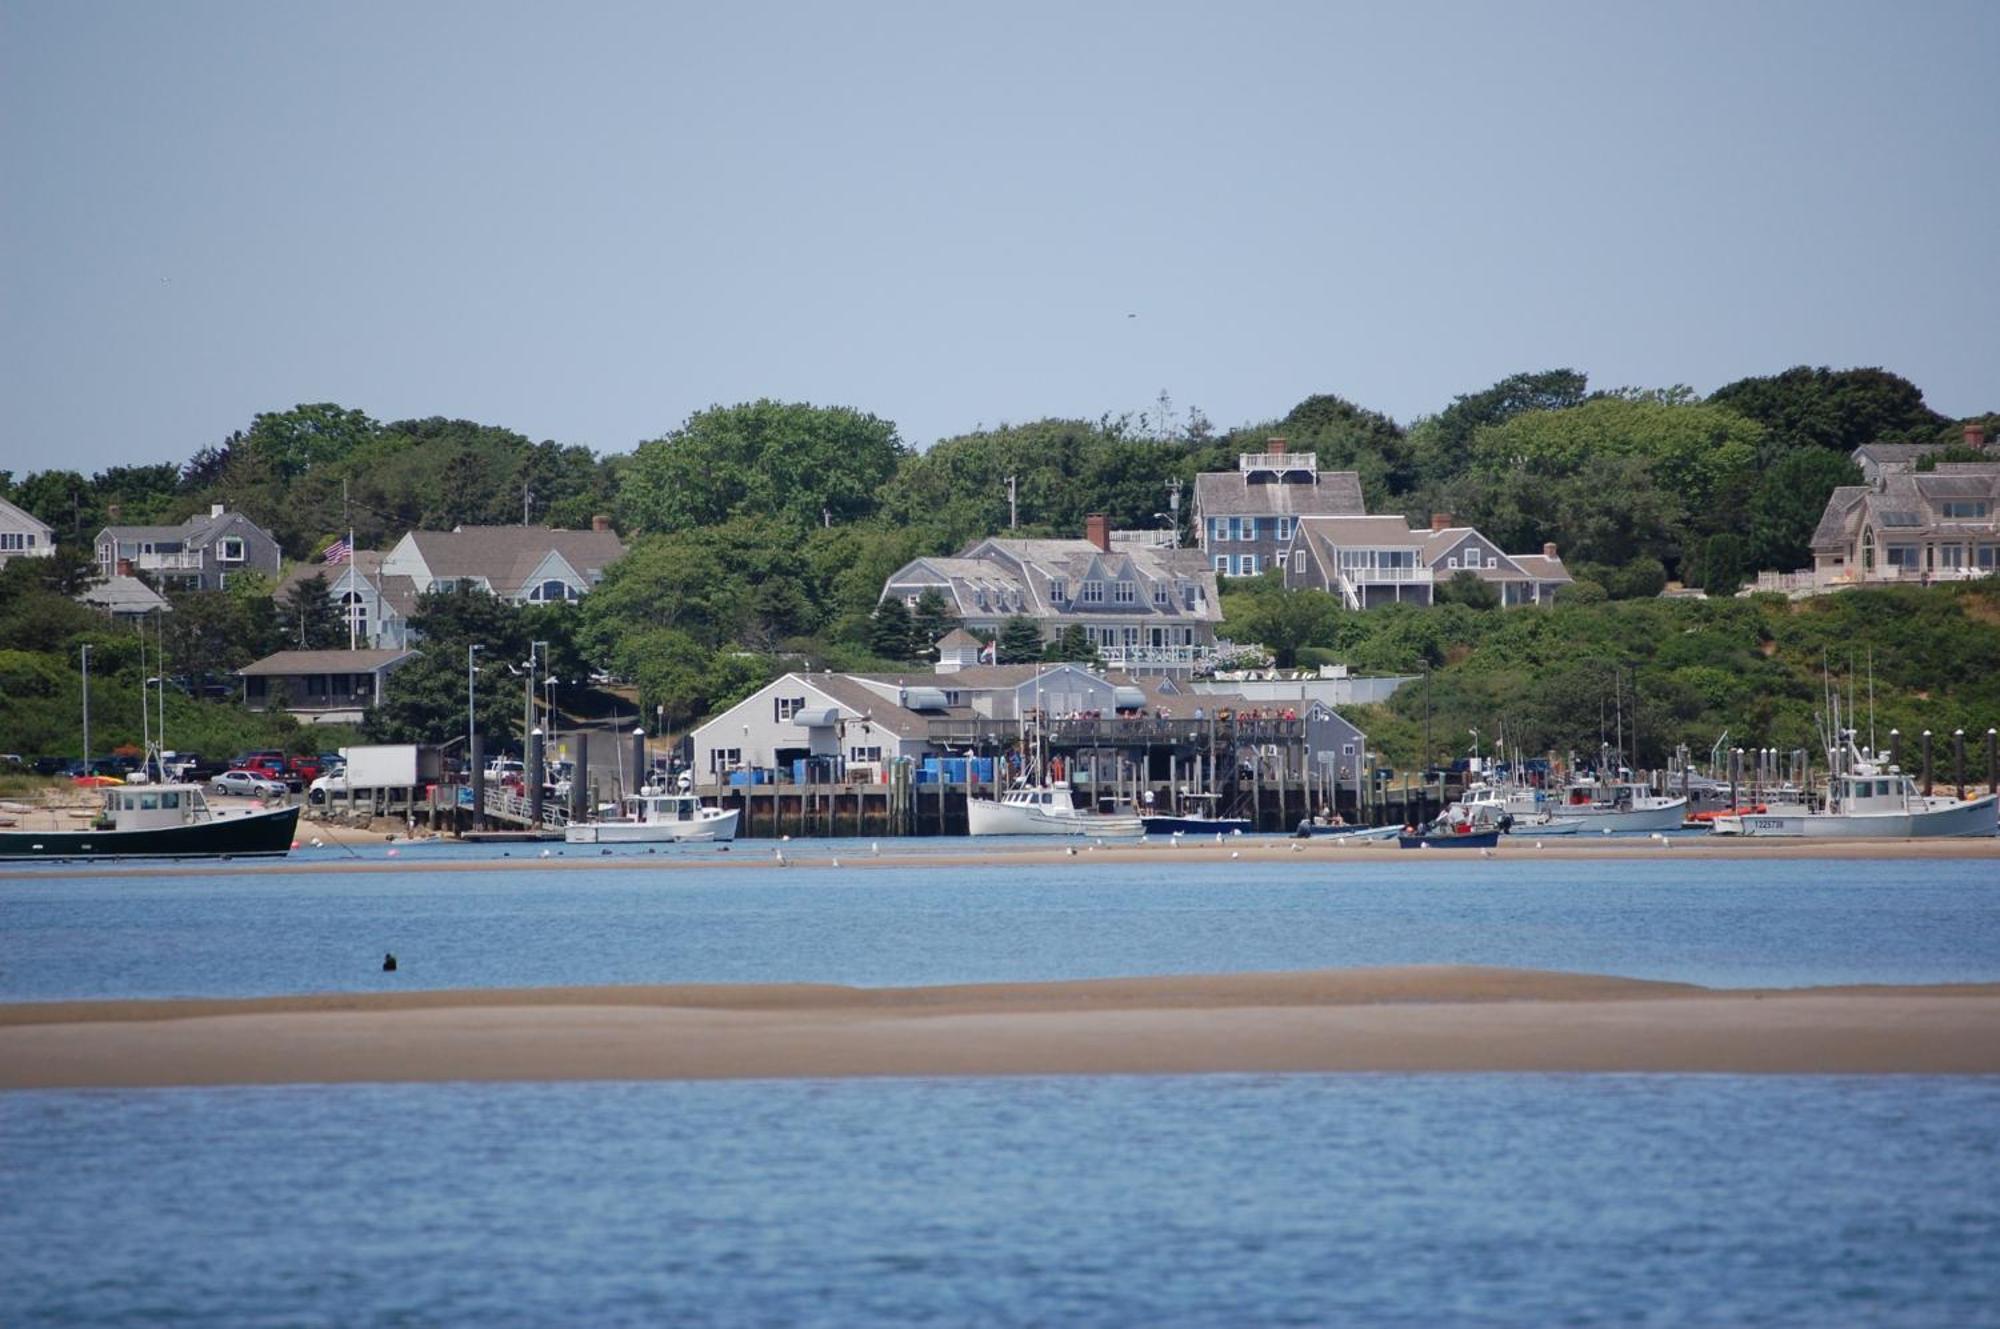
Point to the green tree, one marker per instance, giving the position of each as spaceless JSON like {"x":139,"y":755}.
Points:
{"x":892,"y":632}
{"x":1725,"y":563}
{"x":1020,"y":641}
{"x":1072,"y":646}
{"x":1282,"y":622}
{"x":307,"y":436}
{"x":1838,"y":409}
{"x":929,"y":621}
{"x":1468,"y":589}
{"x":1787,"y":503}
{"x":805,"y":465}
{"x":308,"y":620}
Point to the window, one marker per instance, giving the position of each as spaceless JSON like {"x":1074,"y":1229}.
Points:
{"x":1058,"y":590}
{"x":1093,"y":593}
{"x":229,"y":550}
{"x":1131,"y":636}
{"x":354,"y":609}
{"x":1298,"y":560}
{"x":9,"y":540}
{"x":1452,"y":562}
{"x":1905,"y":556}
{"x":1966,"y":509}
{"x":1124,"y":593}
{"x":552,"y":591}
{"x":1989,"y":556}
{"x":1951,"y":556}
{"x":864,"y":754}
{"x":1284,"y":528}
{"x":784,"y":708}
{"x":724,"y":759}
{"x":1225,"y":528}
{"x":1221,"y":565}
{"x":1246,"y":566}
{"x":1236,"y":529}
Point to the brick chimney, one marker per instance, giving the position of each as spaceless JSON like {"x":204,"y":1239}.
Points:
{"x":1097,"y":530}
{"x":1276,"y":447}
{"x":600,"y":523}
{"x":1549,"y":549}
{"x":124,"y":567}
{"x":1975,"y":437}
{"x":1440,"y":521}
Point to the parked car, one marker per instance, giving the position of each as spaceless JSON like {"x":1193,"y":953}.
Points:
{"x":307,"y":769}
{"x":247,"y":784}
{"x":273,"y":768}
{"x":49,"y":765}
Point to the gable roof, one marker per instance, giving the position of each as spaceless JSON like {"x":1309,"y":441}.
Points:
{"x":1230,"y":493}
{"x":1909,"y":501}
{"x":505,"y":557}
{"x":120,"y":594}
{"x":22,"y":517}
{"x":199,"y":530}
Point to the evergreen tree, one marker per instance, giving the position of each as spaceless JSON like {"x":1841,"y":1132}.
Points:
{"x":931,"y":620}
{"x":890,"y":631}
{"x":1020,"y":641}
{"x":1072,"y":647}
{"x":308,"y":620}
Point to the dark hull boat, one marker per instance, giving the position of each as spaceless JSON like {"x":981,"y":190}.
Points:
{"x":1451,"y":840}
{"x":1164,"y":824}
{"x":185,"y":830}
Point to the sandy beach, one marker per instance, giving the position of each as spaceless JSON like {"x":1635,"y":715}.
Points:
{"x":1433,"y":1018}
{"x":374,"y":852}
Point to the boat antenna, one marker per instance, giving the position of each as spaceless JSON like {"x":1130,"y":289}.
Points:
{"x":1871,"y":701}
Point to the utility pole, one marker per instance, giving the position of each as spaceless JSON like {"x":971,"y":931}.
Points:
{"x":86,"y":708}
{"x":527,"y":497}
{"x":1013,"y":508}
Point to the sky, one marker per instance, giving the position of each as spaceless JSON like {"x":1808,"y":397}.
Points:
{"x":587,"y":221}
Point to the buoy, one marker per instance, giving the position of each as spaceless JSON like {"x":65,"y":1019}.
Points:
{"x":836,"y":862}
{"x":389,"y":963}
{"x":545,"y":853}
{"x":785,"y":838}
{"x":1234,"y":854}
{"x":295,"y":843}
{"x":394,"y":852}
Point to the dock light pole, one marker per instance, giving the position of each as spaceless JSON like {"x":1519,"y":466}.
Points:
{"x":475,"y":777}
{"x":86,"y":708}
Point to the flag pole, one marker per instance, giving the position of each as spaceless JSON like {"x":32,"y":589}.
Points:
{"x":353,"y":595}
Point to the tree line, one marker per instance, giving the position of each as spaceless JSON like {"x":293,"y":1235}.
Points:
{"x":761,"y":533}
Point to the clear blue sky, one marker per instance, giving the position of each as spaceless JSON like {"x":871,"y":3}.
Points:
{"x":585,"y":221}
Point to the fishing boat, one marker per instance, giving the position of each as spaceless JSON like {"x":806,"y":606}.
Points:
{"x":1871,"y":801}
{"x":1619,"y":803}
{"x":1460,"y":826}
{"x":655,"y":816}
{"x":1044,"y":808}
{"x":1196,"y":816}
{"x":161,"y":821}
{"x":1349,"y":834}
{"x":1523,"y":810}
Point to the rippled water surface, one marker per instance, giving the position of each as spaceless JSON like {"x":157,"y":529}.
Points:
{"x":1730,"y":922}
{"x":1483,"y":1200}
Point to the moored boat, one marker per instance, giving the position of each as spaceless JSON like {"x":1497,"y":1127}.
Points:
{"x":1044,"y":809}
{"x":654,"y":816}
{"x":161,"y":821}
{"x":1460,"y":826}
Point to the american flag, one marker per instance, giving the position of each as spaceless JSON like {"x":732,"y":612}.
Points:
{"x":337,"y":552}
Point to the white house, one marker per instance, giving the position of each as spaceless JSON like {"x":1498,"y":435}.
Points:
{"x":1370,"y":561}
{"x":379,"y":603}
{"x":22,"y":535}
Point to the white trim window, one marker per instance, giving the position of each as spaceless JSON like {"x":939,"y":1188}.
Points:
{"x":553,"y":591}
{"x":1160,"y":596}
{"x":1058,"y":590}
{"x":229,"y":549}
{"x":784,"y":708}
{"x":1093,"y":593}
{"x":1246,"y":565}
{"x":1284,"y":529}
{"x":1298,"y":560}
{"x":1124,"y":593}
{"x":1222,"y":564}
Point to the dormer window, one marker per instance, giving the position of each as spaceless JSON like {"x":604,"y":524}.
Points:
{"x":1160,"y":594}
{"x":1965,"y":509}
{"x":1058,"y":590}
{"x":1124,"y":593}
{"x":1093,"y":593}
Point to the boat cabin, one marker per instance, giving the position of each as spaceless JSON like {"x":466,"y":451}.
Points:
{"x":654,"y":809}
{"x":1873,"y":792}
{"x":149,"y":806}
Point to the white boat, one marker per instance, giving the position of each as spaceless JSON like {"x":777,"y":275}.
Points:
{"x":1524,"y":810}
{"x":1617,"y":805}
{"x":1044,"y":809}
{"x":1873,"y":803}
{"x":655,"y":816}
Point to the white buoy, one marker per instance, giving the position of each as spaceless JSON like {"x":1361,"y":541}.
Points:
{"x":545,"y":853}
{"x":876,"y":847}
{"x":1234,"y":854}
{"x":836,"y":862}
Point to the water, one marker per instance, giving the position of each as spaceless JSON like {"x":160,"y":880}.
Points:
{"x":1381,"y":1200}
{"x":1728,"y":923}
{"x":1478,"y":1200}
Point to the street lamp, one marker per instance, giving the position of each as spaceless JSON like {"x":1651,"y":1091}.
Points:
{"x":86,"y":708}
{"x":471,"y":724}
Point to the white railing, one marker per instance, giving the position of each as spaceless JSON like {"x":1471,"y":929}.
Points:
{"x":1186,"y":657}
{"x":1277,"y":461}
{"x":1365,"y":576}
{"x":185,"y":561}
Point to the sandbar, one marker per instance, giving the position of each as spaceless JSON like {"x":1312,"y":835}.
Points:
{"x":1404,"y":1019}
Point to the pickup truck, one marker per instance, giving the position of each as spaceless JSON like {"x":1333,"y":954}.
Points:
{"x":272,"y":768}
